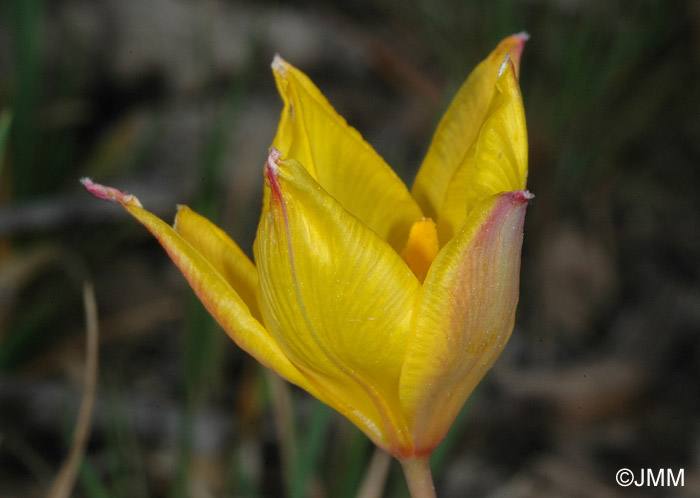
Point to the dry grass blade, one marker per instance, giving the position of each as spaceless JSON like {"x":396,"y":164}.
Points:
{"x":375,"y":478}
{"x":65,"y":480}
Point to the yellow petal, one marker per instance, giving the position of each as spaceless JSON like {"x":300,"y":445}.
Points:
{"x":340,"y":160}
{"x":222,"y":253}
{"x":497,"y":162}
{"x":211,"y":288}
{"x":460,"y":125}
{"x":464,"y":316}
{"x":337,"y":299}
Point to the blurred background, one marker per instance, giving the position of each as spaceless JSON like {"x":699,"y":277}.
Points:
{"x":174,"y":101}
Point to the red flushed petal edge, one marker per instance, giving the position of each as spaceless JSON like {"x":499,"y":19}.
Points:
{"x":517,"y":51}
{"x":271,"y":172}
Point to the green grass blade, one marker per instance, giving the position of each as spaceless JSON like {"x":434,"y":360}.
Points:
{"x":311,"y":448}
{"x":26,"y":19}
{"x":91,"y":481}
{"x":5,"y":123}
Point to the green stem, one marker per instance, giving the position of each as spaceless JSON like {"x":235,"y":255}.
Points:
{"x":418,"y":477}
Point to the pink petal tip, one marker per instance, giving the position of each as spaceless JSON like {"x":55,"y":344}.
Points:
{"x":272,"y":171}
{"x":523,"y":35}
{"x":517,"y":50}
{"x":109,"y":193}
{"x":521,"y":196}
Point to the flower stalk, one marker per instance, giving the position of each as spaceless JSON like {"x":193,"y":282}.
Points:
{"x":419,"y":477}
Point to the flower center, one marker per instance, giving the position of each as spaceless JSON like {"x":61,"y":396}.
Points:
{"x":421,"y":247}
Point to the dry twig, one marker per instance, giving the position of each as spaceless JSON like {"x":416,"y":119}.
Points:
{"x":375,"y":478}
{"x":65,"y":479}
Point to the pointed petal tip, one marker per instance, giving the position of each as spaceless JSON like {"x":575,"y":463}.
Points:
{"x":516,"y":44}
{"x":523,"y":35}
{"x":179,"y":209}
{"x":272,"y":172}
{"x":272,"y":157}
{"x":272,"y":169}
{"x":517,"y":199}
{"x":279,"y":65}
{"x":109,"y":193}
{"x":521,"y":196}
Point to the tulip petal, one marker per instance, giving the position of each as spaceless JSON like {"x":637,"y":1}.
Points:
{"x":464,"y":316}
{"x":211,"y":288}
{"x":459,"y":127}
{"x":336,"y":298}
{"x":222,"y":253}
{"x":340,"y":160}
{"x":497,"y":162}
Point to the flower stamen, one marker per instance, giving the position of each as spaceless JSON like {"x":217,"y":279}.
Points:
{"x":421,"y":248}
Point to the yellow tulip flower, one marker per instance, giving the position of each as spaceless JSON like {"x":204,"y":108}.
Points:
{"x":388,"y":305}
